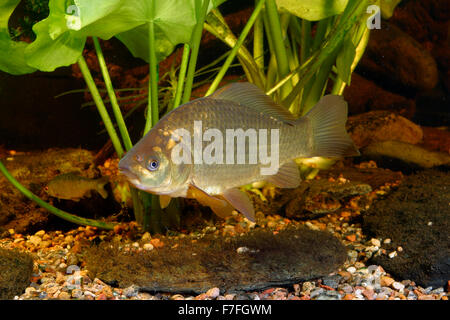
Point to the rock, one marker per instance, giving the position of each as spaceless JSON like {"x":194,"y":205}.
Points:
{"x":317,"y":197}
{"x":15,"y":273}
{"x":131,"y":291}
{"x":404,"y":156}
{"x":403,"y":216}
{"x":35,"y":240}
{"x":64,"y":296}
{"x":332,"y":281}
{"x":364,"y":95}
{"x":394,"y":56}
{"x":40,"y":233}
{"x":213,"y":293}
{"x":377,"y":126}
{"x":386,"y":281}
{"x":280,"y":259}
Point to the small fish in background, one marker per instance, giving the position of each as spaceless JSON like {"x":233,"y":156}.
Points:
{"x":71,"y":186}
{"x":321,"y":133}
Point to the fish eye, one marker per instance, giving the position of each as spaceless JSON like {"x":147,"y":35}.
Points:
{"x":153,"y":164}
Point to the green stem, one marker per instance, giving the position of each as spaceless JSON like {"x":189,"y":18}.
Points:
{"x":181,"y":76}
{"x":216,"y":25}
{"x":100,"y":106}
{"x":60,"y":213}
{"x":195,"y":46}
{"x":305,"y":41}
{"x":152,"y":109}
{"x":258,"y":42}
{"x":322,"y":27}
{"x":112,"y":96}
{"x":235,"y":49}
{"x":278,"y":42}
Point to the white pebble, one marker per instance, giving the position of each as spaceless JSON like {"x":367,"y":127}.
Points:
{"x":393,"y":254}
{"x":375,"y":242}
{"x":213,"y":293}
{"x":351,"y":269}
{"x":148,"y":246}
{"x":387,"y":241}
{"x":242,"y":250}
{"x":398,"y":286}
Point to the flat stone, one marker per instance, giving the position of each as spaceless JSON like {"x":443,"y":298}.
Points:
{"x":403,"y":216}
{"x":273,"y":261}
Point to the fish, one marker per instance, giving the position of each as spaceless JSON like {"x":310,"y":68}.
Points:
{"x":71,"y":186}
{"x":150,"y":164}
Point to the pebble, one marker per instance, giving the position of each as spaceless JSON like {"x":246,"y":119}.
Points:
{"x":332,"y":281}
{"x":393,"y":254}
{"x":398,"y":286}
{"x":148,"y":246}
{"x":308,"y":286}
{"x":351,"y":269}
{"x":131,"y":291}
{"x":316,"y":292}
{"x":375,"y":242}
{"x":64,"y":296}
{"x":35,"y":240}
{"x":213,"y":293}
{"x":40,"y":233}
{"x":386,"y":281}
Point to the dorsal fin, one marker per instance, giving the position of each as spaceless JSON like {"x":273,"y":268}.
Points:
{"x":250,"y":96}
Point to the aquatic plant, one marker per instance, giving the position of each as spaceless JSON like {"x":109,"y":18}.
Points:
{"x":151,"y":29}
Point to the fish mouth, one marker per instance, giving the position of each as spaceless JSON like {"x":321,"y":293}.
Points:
{"x":128,"y":173}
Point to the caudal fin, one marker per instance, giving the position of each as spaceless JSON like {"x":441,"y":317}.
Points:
{"x":328,"y":118}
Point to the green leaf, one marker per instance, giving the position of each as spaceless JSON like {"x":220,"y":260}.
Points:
{"x":388,"y":7}
{"x":12,"y":52}
{"x":313,"y":10}
{"x":174,"y":23}
{"x":56,"y":44}
{"x":345,"y":58}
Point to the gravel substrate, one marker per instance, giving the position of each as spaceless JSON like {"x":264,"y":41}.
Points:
{"x":60,"y":273}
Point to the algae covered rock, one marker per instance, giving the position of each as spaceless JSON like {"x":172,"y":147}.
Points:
{"x":15,"y":273}
{"x":257,"y":260}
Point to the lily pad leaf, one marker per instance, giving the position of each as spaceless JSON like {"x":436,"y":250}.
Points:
{"x":56,"y":44}
{"x":12,"y":58}
{"x":313,"y":10}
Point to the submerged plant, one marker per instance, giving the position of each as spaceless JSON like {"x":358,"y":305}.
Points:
{"x":294,"y":69}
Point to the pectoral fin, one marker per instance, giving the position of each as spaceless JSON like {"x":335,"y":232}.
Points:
{"x":219,"y":206}
{"x":164,"y":201}
{"x":241,"y":202}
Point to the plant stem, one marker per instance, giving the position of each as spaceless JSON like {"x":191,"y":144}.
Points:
{"x":181,"y":76}
{"x":278,"y":43}
{"x":216,"y":25}
{"x":152,"y":109}
{"x":195,"y":46}
{"x":335,"y":38}
{"x":258,"y":42}
{"x":112,"y":96}
{"x":236,"y":47}
{"x":305,"y":41}
{"x":100,"y":106}
{"x":60,"y":213}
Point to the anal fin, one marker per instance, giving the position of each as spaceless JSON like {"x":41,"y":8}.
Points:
{"x":288,"y":176}
{"x":241,"y":202}
{"x":219,"y":206}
